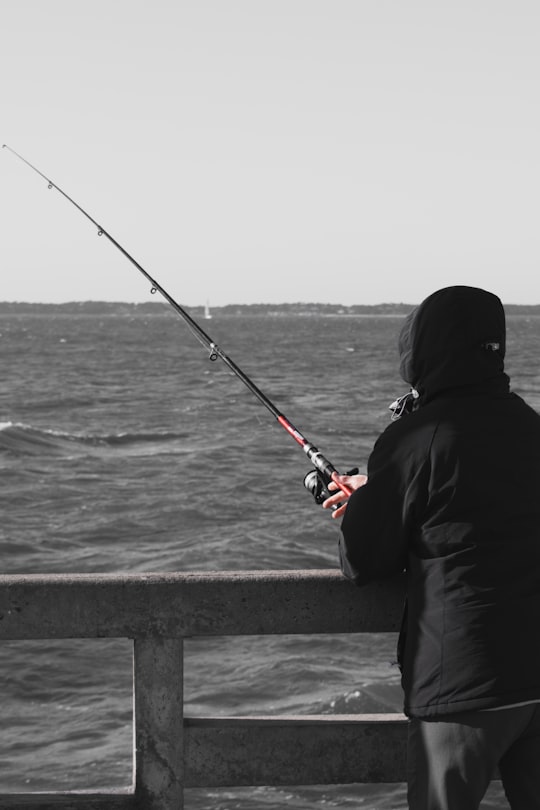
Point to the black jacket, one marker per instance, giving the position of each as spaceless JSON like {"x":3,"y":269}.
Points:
{"x":453,"y":497}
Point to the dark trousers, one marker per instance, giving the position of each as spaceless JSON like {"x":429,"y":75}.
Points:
{"x":451,"y":761}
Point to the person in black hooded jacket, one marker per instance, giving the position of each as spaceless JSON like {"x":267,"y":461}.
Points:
{"x":452,"y":496}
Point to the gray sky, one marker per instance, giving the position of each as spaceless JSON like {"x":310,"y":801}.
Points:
{"x":351,"y":151}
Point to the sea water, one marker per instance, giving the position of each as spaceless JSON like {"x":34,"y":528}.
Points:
{"x":124,"y":449}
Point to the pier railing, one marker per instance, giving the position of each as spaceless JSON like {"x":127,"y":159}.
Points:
{"x":173,"y":752}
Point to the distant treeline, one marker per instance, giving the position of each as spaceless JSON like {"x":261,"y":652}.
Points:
{"x":162,"y":308}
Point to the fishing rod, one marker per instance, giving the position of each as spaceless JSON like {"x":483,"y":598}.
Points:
{"x":315,"y":481}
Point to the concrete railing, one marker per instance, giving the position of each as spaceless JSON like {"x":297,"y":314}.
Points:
{"x":171,"y":752}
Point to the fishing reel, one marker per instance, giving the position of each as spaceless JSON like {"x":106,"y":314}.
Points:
{"x":317,"y":482}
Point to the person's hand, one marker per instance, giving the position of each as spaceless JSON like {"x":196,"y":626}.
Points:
{"x":351,"y":482}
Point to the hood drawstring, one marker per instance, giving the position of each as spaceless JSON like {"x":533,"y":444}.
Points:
{"x":404,"y":404}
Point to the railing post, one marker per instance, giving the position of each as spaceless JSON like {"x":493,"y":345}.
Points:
{"x":158,"y":720}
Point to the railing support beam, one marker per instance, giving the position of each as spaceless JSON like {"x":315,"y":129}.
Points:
{"x":295,"y":750}
{"x":158,"y":721}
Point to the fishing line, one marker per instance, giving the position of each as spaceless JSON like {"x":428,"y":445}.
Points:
{"x":316,"y":481}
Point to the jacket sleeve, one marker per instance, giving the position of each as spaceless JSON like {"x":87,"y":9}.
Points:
{"x":382,"y":515}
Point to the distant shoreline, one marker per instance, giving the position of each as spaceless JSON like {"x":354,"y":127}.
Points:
{"x":160,"y":308}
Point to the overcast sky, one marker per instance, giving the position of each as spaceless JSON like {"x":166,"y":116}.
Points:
{"x":347,"y":151}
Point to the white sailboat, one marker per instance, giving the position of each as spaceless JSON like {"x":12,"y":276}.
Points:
{"x":207,"y":314}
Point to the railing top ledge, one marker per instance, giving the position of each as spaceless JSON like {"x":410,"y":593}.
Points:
{"x":176,"y":577}
{"x":180,"y":604}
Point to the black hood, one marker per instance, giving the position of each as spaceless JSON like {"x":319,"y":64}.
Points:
{"x":456,"y":337}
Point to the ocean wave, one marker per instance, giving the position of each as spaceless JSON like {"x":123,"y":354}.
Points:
{"x":367,"y":698}
{"x":23,"y":439}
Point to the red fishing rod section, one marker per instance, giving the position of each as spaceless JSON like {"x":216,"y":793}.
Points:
{"x":315,"y":482}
